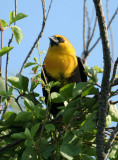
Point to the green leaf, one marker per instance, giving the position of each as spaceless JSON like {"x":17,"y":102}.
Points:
{"x":35,"y":68}
{"x":8,"y":114}
{"x":2,"y":84}
{"x":116,"y":76}
{"x":34,"y":129}
{"x":56,"y":97}
{"x":24,"y":116}
{"x":67,"y":90}
{"x":18,"y":136}
{"x":27,"y":133}
{"x":114,"y":152}
{"x":28,"y":153}
{"x":70,"y":109}
{"x":24,"y":81}
{"x":89,"y":91}
{"x":5,"y":94}
{"x":29,"y":104}
{"x":17,"y":32}
{"x":14,"y":18}
{"x":80,"y":87}
{"x":41,"y":52}
{"x":47,"y":151}
{"x":15,"y":82}
{"x":92,"y":73}
{"x":99,"y":70}
{"x":108,"y":121}
{"x":10,"y":117}
{"x":55,"y":84}
{"x":89,"y":150}
{"x":5,"y":50}
{"x":90,"y":123}
{"x":29,"y":64}
{"x":113,"y":112}
{"x":4,"y":23}
{"x":35,"y":59}
{"x":11,"y":15}
{"x":69,"y":151}
{"x":50,"y":127}
{"x":69,"y":137}
{"x":35,"y":81}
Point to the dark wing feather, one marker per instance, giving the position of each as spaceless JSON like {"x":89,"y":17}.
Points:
{"x":81,"y":69}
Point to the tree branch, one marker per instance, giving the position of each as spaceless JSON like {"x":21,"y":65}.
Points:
{"x":11,"y":145}
{"x":114,"y":15}
{"x":114,"y":72}
{"x":84,"y":26}
{"x":111,"y":33}
{"x":103,"y":102}
{"x":40,"y":34}
{"x":92,"y":35}
{"x":110,"y":142}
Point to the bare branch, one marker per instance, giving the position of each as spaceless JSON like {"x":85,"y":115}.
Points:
{"x":103,"y":102}
{"x":11,"y":145}
{"x":40,"y":34}
{"x":115,"y":82}
{"x":9,"y":43}
{"x":89,"y":28}
{"x":49,"y":9}
{"x":92,"y":35}
{"x":84,"y":25}
{"x":114,"y":15}
{"x":111,"y":34}
{"x":114,"y":72}
{"x":110,"y":142}
{"x":7,"y":61}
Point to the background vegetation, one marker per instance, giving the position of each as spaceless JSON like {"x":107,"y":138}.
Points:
{"x":84,"y":131}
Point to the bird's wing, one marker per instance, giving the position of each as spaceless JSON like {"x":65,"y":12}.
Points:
{"x":81,"y":69}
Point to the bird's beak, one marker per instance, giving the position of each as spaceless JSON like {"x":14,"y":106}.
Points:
{"x":53,"y":40}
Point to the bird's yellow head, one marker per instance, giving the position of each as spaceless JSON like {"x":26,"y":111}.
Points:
{"x":60,"y":44}
{"x":61,"y":57}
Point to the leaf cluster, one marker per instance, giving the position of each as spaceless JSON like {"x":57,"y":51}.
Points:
{"x":32,"y":133}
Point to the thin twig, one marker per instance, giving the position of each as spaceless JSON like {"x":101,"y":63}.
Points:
{"x":49,"y":9}
{"x":107,"y":28}
{"x":111,"y":140}
{"x":7,"y":61}
{"x":92,"y":35}
{"x":5,"y":108}
{"x":89,"y":27}
{"x":84,"y":25}
{"x":1,"y":29}
{"x":105,"y":89}
{"x":16,"y":100}
{"x":113,"y":102}
{"x":11,"y":145}
{"x":39,"y":36}
{"x":114,"y":72}
{"x":115,"y":82}
{"x":111,"y":34}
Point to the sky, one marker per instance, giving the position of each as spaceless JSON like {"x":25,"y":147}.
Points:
{"x":65,"y":18}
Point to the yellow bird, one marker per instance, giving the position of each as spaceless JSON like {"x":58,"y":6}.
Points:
{"x":62,"y":64}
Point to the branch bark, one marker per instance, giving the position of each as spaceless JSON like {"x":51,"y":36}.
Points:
{"x":86,"y":54}
{"x":110,"y":142}
{"x":40,"y":34}
{"x":105,"y":88}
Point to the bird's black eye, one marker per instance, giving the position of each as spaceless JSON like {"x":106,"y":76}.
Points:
{"x":60,"y":39}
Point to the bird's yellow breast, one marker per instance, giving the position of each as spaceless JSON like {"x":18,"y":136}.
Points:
{"x":61,"y":60}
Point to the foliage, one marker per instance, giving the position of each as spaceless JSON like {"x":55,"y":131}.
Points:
{"x":32,"y":133}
